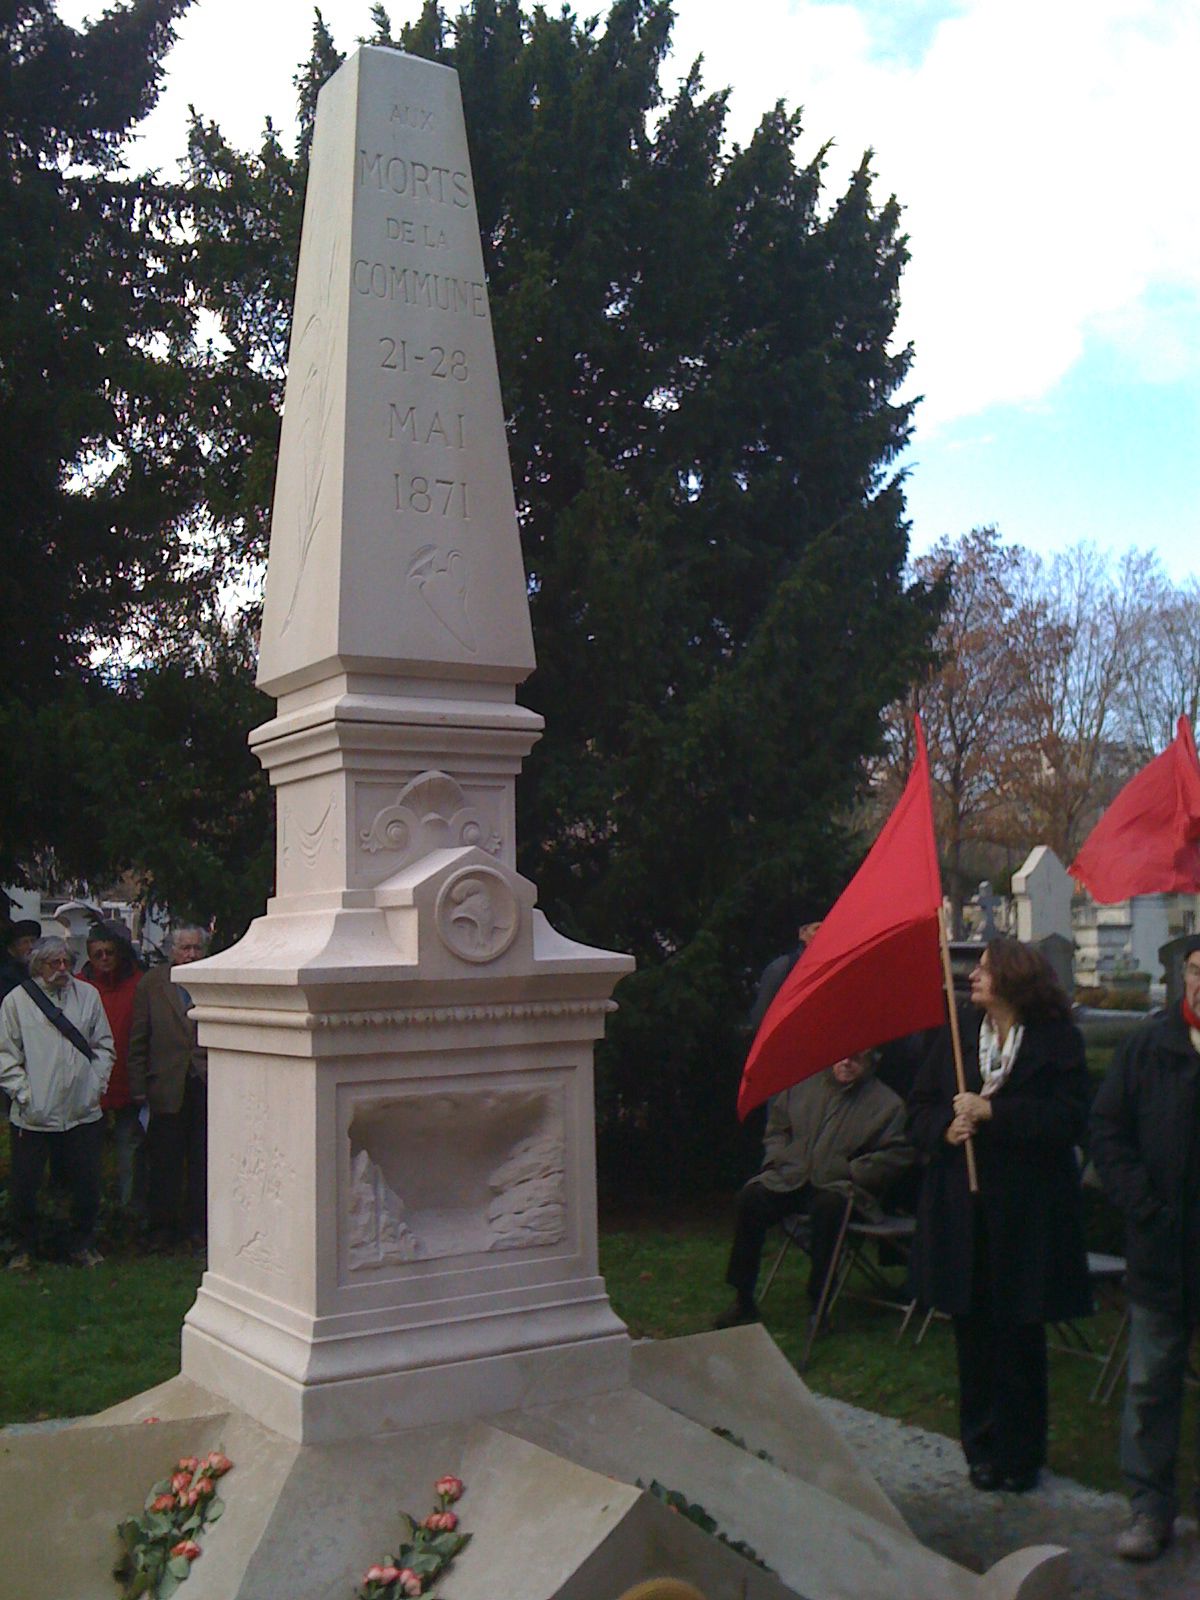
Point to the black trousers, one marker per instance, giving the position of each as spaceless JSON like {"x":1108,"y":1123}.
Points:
{"x":758,"y":1208}
{"x":74,"y":1158}
{"x":1003,"y":1396}
{"x":177,"y":1166}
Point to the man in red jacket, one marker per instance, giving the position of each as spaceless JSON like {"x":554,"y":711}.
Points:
{"x":113,"y":970}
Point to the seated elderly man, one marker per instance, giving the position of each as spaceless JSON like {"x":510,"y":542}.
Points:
{"x":56,"y":1052}
{"x":836,"y":1135}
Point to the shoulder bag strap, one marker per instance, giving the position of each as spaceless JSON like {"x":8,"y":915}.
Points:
{"x":52,"y":1014}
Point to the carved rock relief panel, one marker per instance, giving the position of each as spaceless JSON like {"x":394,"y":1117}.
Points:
{"x":455,"y":1173}
{"x":432,"y":812}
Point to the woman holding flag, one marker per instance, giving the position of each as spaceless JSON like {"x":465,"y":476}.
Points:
{"x":1006,"y":1259}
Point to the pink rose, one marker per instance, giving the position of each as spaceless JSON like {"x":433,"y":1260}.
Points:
{"x":203,"y":1487}
{"x":162,"y":1502}
{"x":389,"y":1574}
{"x":187,"y":1548}
{"x":189,"y":1464}
{"x":373,"y":1575}
{"x":449,"y":1488}
{"x":215,"y":1464}
{"x":149,"y":1419}
{"x":441,"y":1522}
{"x":181,"y":1481}
{"x":408,"y":1581}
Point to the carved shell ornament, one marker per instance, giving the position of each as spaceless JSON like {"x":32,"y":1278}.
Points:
{"x":477,"y":914}
{"x":430,"y":813}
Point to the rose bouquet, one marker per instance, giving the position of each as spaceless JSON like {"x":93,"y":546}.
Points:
{"x":161,"y":1544}
{"x":426,"y":1549}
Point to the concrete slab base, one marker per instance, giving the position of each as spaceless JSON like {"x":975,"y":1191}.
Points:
{"x":553,"y":1500}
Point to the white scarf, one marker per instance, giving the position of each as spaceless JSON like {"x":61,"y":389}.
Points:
{"x":996,"y":1059}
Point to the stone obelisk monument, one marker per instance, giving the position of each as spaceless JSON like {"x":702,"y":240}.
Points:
{"x":402,"y":1192}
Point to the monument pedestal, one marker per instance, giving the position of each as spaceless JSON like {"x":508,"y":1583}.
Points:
{"x":402,"y":1221}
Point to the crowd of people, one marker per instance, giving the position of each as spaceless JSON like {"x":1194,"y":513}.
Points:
{"x":108,"y":1050}
{"x":992,"y":1165}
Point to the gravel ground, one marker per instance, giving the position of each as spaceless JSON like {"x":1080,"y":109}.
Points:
{"x":924,"y":1475}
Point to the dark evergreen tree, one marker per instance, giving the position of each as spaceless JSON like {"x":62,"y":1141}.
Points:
{"x":92,"y":489}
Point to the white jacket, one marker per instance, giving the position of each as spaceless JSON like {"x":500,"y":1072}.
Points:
{"x":53,"y":1085}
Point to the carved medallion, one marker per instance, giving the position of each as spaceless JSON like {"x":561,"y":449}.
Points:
{"x":477,"y":914}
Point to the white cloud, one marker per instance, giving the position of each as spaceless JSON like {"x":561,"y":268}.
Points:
{"x":1041,"y":149}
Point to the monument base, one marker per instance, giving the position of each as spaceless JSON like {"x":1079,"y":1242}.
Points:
{"x":555,"y":1498}
{"x":402,"y":1396}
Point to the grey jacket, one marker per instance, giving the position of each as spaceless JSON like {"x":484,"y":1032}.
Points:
{"x":53,"y":1085}
{"x":848,"y":1139}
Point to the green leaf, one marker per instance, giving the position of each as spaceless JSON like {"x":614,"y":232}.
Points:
{"x":407,"y":1529}
{"x":167,"y":1586}
{"x":447,"y":1545}
{"x":215,"y":1508}
{"x":179,"y":1567}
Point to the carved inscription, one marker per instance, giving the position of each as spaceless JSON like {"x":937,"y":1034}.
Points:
{"x":410,"y":271}
{"x":418,"y":180}
{"x":434,"y":291}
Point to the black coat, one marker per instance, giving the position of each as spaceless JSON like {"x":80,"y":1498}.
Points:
{"x":1146,"y":1147}
{"x":1029,"y":1200}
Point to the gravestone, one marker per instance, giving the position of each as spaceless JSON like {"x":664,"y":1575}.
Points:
{"x":1060,"y":953}
{"x":1042,"y":889}
{"x":985,"y":899}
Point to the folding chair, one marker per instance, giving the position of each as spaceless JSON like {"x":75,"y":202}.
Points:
{"x":850,"y":1251}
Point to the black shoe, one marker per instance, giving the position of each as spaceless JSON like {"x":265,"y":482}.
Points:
{"x":984,"y":1475}
{"x":739,"y":1312}
{"x":1020,"y":1482}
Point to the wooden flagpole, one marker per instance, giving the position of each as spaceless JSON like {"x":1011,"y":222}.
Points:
{"x":956,"y":1041}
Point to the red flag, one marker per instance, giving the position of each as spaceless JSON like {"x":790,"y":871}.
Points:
{"x":873,"y":971}
{"x":1148,"y":841}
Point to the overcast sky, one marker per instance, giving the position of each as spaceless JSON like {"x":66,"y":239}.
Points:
{"x":1044,"y":154}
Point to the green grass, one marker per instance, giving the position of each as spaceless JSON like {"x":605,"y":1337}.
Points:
{"x":74,"y":1341}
